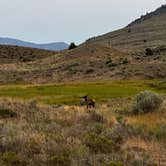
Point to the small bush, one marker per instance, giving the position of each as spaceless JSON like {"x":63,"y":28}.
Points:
{"x":146,"y":102}
{"x":113,"y":65}
{"x":72,"y":71}
{"x":161,"y":133}
{"x":90,"y":71}
{"x":109,"y":61}
{"x":97,"y":128}
{"x":100,"y":143}
{"x":6,"y":113}
{"x":148,"y":52}
{"x":13,"y":159}
{"x":125,"y":61}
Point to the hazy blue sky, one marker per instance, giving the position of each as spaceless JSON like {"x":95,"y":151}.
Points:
{"x":68,"y":20}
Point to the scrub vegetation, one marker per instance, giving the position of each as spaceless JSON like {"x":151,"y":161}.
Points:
{"x":62,"y":133}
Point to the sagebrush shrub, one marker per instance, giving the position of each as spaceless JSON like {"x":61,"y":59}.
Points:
{"x":149,"y":51}
{"x":98,"y":143}
{"x":125,"y":61}
{"x":7,"y":113}
{"x":146,"y":101}
{"x":13,"y":159}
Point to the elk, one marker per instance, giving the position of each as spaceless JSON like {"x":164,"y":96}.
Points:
{"x":90,"y":103}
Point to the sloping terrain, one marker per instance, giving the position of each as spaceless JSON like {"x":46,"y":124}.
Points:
{"x":147,"y":31}
{"x":137,"y":51}
{"x":14,"y":54}
{"x":89,"y":62}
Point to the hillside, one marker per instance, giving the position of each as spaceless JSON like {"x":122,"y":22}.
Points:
{"x":48,"y":46}
{"x":147,"y":31}
{"x":15,"y":54}
{"x":89,"y":62}
{"x":137,"y":51}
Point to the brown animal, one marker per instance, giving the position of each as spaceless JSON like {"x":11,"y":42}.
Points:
{"x":90,"y":103}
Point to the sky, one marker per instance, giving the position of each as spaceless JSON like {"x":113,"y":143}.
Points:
{"x":44,"y":21}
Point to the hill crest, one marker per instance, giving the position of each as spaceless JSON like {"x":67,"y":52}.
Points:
{"x":159,"y":11}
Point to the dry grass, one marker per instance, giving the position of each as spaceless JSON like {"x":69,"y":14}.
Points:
{"x":64,"y":135}
{"x":15,"y":54}
{"x":155,"y":119}
{"x":141,"y":147}
{"x":49,"y":135}
{"x":87,"y":62}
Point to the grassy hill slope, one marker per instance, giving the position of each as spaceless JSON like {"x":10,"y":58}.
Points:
{"x":13,"y":54}
{"x":137,"y":51}
{"x":147,"y":31}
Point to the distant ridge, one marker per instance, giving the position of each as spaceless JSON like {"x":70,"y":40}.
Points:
{"x":47,"y":46}
{"x":159,"y":11}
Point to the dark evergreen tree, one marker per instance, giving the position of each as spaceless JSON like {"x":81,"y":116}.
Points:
{"x":72,"y":46}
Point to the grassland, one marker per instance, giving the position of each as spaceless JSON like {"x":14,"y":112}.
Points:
{"x":69,"y":135}
{"x":71,"y":93}
{"x":43,"y":124}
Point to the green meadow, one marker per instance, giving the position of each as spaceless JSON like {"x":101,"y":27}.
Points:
{"x":71,"y":93}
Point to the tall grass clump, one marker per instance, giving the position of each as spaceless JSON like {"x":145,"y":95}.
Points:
{"x":146,"y":101}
